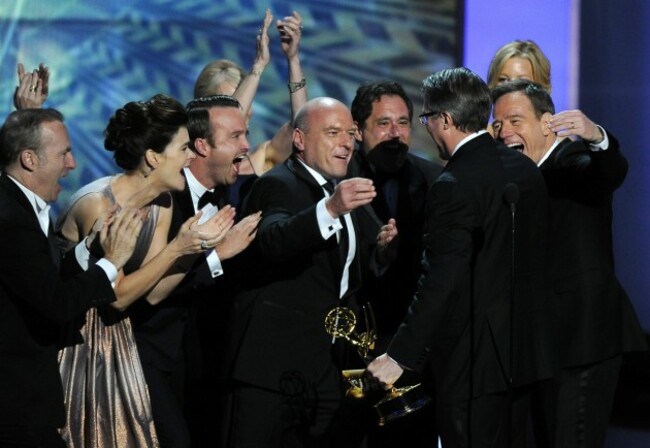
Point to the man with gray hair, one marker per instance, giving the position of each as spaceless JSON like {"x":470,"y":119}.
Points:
{"x":475,"y":316}
{"x":35,"y":302}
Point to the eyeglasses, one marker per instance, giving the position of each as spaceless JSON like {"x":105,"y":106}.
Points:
{"x":424,"y":118}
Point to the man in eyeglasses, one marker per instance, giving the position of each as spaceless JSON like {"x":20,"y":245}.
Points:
{"x":383,"y":114}
{"x":473,"y":304}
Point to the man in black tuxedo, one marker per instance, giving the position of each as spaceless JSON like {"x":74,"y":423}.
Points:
{"x":595,"y":321}
{"x":35,"y":153}
{"x":168,"y":343}
{"x":307,"y":258}
{"x":383,"y":114}
{"x":462,"y":316}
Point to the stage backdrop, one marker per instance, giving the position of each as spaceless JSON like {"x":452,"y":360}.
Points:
{"x":103,"y":54}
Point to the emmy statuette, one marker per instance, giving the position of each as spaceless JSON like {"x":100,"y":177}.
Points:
{"x":340,"y":322}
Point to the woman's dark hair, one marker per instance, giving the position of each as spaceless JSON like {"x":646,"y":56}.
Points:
{"x":142,"y":125}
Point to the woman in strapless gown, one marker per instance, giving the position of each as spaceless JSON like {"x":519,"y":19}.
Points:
{"x":106,"y":396}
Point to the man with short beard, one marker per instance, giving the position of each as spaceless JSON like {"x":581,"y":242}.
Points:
{"x":383,"y":114}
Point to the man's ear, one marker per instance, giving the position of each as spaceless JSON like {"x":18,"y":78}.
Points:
{"x":447,"y":121}
{"x":29,"y":159}
{"x":200,"y":147}
{"x":545,"y":121}
{"x":358,"y":133}
{"x":299,"y":139}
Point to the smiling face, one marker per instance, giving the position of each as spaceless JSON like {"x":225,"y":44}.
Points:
{"x":327,"y":142}
{"x":227,"y":147}
{"x":52,"y":161}
{"x":389,"y":120}
{"x":386,"y":133}
{"x":516,"y":68}
{"x":174,"y":158}
{"x":516,"y":125}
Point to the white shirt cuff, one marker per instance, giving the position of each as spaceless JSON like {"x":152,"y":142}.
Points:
{"x":109,"y":269}
{"x":84,"y":258}
{"x":602,"y":146}
{"x":214,"y":263}
{"x":82,"y":254}
{"x":328,"y":226}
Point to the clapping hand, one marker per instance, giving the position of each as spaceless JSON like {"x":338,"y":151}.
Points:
{"x":118,"y":234}
{"x":262,"y":53}
{"x":239,"y":236}
{"x":290,"y":30}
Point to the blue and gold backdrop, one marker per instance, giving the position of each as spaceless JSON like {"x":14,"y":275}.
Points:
{"x":103,"y":54}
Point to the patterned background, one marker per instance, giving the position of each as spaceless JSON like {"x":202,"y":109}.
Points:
{"x":103,"y":54}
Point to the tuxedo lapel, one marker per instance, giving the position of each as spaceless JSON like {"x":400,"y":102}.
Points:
{"x":296,"y":167}
{"x":17,"y":193}
{"x":183,"y":210}
{"x":54,"y":247}
{"x":20,"y":197}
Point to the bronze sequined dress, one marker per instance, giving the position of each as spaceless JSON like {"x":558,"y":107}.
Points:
{"x":106,"y":396}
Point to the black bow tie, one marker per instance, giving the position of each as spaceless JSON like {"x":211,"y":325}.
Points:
{"x":216,"y":197}
{"x":329,"y":186}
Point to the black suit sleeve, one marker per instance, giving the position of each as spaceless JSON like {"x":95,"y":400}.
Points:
{"x":282,"y":233}
{"x":599,"y":172}
{"x":608,"y":168}
{"x":29,"y":276}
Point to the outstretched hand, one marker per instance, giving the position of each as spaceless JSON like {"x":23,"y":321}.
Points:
{"x":387,"y":241}
{"x":350,"y":194}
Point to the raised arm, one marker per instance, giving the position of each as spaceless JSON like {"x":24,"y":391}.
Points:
{"x":247,"y":88}
{"x":278,"y":149}
{"x":290,"y":30}
{"x":33,"y":87}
